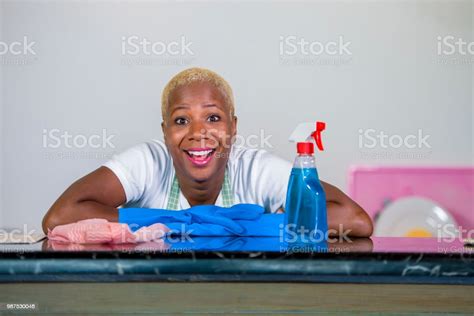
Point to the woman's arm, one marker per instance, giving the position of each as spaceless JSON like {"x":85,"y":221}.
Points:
{"x":344,"y":215}
{"x":97,"y":195}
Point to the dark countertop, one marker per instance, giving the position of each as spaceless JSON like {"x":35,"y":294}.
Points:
{"x":364,"y":260}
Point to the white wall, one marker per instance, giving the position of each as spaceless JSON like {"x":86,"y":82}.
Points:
{"x":393,"y":81}
{"x":2,"y":124}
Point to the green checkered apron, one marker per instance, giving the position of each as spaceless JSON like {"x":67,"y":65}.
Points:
{"x":227,"y":194}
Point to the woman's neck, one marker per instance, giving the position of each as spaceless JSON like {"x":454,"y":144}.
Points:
{"x":202,"y":192}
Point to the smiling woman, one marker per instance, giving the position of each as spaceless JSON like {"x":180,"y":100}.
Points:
{"x":198,"y":127}
{"x":197,"y":164}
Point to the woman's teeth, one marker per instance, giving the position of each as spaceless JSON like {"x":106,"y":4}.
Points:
{"x":200,"y":157}
{"x":201,"y":153}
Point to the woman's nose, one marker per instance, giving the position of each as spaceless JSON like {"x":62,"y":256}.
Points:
{"x":197,"y":130}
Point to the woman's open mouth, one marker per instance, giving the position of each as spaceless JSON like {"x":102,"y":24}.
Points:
{"x":200,"y":156}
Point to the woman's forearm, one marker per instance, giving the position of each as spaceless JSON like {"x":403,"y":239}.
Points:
{"x":345,"y":217}
{"x":348,"y":219}
{"x":73,"y":212}
{"x":97,"y":195}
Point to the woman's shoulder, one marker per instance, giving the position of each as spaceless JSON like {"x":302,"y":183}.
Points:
{"x":156,"y":146}
{"x":259,"y":177}
{"x":147,"y":147}
{"x":148,"y":154}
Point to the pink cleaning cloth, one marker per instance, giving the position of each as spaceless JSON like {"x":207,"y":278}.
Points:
{"x":148,"y":246}
{"x":99,"y":231}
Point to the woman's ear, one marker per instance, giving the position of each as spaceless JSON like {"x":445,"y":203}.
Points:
{"x":163,"y":129}
{"x":234,"y":126}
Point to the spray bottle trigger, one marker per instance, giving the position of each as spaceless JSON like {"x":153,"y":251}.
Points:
{"x":320,"y":126}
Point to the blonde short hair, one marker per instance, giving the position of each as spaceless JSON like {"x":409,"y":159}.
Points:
{"x":196,"y":75}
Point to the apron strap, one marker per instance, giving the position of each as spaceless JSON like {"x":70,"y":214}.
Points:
{"x":227,"y":194}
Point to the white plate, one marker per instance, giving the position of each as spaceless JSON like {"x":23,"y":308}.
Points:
{"x":415,"y":217}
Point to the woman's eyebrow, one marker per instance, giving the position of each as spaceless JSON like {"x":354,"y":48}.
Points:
{"x":186,"y":107}
{"x":179,"y":107}
{"x":212,"y":105}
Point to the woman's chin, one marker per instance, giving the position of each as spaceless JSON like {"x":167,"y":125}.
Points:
{"x":201,"y":175}
{"x":206,"y":173}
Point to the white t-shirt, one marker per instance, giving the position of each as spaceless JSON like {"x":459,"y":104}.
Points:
{"x":146,"y":173}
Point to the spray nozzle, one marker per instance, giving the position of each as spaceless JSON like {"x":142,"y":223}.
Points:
{"x":320,"y":126}
{"x":305,"y":132}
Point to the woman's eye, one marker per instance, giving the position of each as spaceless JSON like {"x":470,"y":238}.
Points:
{"x":214,"y":118}
{"x":180,"y":121}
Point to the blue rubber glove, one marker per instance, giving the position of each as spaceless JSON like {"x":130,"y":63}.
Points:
{"x":207,"y":220}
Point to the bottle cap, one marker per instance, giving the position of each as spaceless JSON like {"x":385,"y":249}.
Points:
{"x":306,"y":148}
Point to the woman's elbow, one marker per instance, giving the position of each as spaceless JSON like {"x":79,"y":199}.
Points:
{"x":49,"y":222}
{"x":53,"y":218}
{"x":363,"y":226}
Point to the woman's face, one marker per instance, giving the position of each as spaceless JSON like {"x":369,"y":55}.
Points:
{"x":199,"y":131}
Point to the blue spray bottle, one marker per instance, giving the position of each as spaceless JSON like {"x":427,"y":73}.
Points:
{"x":305,"y":209}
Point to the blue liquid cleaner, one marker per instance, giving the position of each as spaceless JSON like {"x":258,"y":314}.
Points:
{"x":305,"y":211}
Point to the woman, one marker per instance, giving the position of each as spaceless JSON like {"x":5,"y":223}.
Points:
{"x":197,"y":164}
